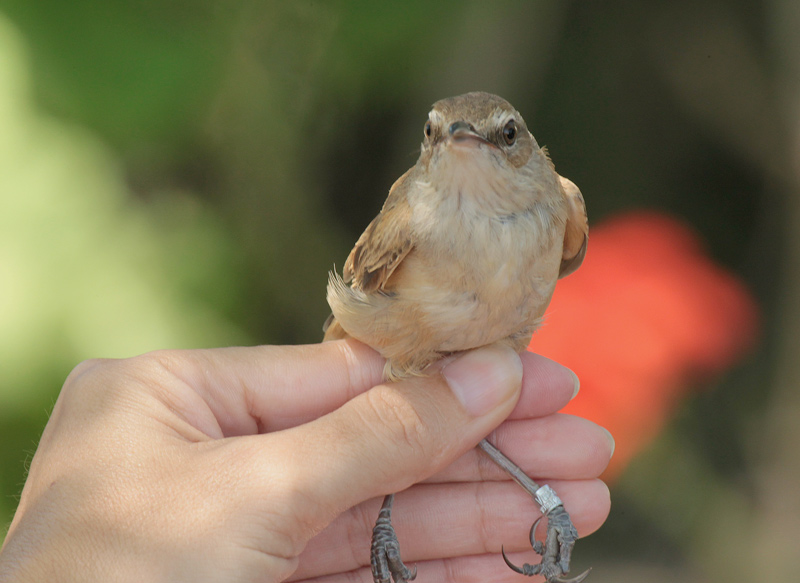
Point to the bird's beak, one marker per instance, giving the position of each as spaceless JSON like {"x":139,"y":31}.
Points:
{"x":461,"y":131}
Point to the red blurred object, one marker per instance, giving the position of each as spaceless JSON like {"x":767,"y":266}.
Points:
{"x":646,"y":315}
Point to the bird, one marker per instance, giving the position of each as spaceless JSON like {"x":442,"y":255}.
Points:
{"x":465,"y":252}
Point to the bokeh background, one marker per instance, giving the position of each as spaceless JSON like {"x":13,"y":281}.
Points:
{"x":185,"y":173}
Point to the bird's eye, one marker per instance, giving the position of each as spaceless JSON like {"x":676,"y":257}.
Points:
{"x":428,"y":129}
{"x":510,"y":132}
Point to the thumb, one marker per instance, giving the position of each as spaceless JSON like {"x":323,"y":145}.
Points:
{"x":400,"y":433}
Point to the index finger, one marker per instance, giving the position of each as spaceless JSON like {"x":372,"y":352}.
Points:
{"x":547,"y":387}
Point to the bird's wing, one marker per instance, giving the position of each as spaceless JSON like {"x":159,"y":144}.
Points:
{"x":576,"y":235}
{"x":385,"y":242}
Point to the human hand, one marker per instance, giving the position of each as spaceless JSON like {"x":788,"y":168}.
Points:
{"x":262,"y":464}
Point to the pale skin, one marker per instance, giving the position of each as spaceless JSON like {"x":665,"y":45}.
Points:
{"x":268,"y":464}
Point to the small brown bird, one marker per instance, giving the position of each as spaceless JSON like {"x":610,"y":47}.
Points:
{"x":465,"y":252}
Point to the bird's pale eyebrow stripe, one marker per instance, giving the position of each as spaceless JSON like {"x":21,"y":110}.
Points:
{"x":435,"y":116}
{"x":500,"y":116}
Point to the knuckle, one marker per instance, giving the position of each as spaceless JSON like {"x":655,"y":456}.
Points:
{"x":83,"y":370}
{"x":102,"y":378}
{"x":90,"y":375}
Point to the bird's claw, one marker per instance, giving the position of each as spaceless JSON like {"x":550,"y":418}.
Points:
{"x":387,"y":566}
{"x":556,"y":551}
{"x":538,"y":546}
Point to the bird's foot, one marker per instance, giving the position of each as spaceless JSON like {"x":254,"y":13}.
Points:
{"x":556,"y":551}
{"x":387,"y":566}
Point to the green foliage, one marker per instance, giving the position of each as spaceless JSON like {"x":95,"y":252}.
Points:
{"x":86,"y":269}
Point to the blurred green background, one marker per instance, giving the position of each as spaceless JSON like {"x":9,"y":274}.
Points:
{"x":184,"y":174}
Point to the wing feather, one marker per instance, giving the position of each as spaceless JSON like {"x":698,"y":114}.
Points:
{"x":384,"y":243}
{"x":576,"y":234}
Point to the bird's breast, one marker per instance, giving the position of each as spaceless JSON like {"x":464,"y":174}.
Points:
{"x":479,"y":278}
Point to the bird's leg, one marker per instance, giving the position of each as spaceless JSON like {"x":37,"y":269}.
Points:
{"x":387,"y":566}
{"x":556,"y":551}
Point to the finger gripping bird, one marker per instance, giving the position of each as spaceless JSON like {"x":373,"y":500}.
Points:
{"x":465,"y":252}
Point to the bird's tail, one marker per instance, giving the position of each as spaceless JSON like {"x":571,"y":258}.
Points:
{"x":333,"y":330}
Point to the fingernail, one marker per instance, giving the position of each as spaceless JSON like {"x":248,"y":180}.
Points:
{"x":577,"y":382}
{"x":611,"y":441}
{"x":482,"y":379}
